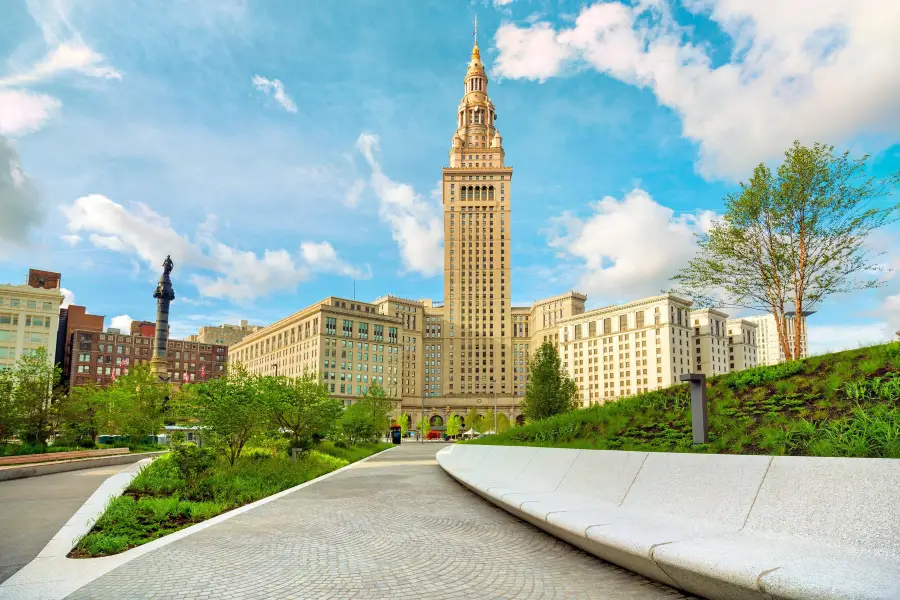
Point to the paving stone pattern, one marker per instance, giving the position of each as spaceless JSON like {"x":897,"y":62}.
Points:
{"x":395,"y":526}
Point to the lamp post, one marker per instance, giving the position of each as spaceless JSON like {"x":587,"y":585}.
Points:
{"x":494,"y":394}
{"x":422,"y":433}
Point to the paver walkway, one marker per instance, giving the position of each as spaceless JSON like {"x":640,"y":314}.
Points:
{"x":33,"y":509}
{"x":395,"y":526}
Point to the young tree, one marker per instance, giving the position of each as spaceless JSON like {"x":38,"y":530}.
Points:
{"x":454,"y":425}
{"x":357,"y":423}
{"x":791,"y":238}
{"x":378,"y":406}
{"x":549,"y":391}
{"x":404,"y":424}
{"x":473,"y":421}
{"x":424,"y":426}
{"x":502,"y":423}
{"x":487,"y":421}
{"x":136,"y":400}
{"x":230,"y":409}
{"x":86,"y":411}
{"x":35,"y":385}
{"x":301,"y":406}
{"x":10,"y":411}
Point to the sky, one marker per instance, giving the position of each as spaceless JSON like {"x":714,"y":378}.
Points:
{"x":281,"y":150}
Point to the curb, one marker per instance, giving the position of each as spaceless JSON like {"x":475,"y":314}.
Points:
{"x":11,"y":473}
{"x":52,"y":576}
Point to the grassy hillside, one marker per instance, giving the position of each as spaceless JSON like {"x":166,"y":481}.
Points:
{"x":844,"y":404}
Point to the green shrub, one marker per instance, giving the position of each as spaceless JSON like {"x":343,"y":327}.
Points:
{"x":193,"y":462}
{"x":760,"y":375}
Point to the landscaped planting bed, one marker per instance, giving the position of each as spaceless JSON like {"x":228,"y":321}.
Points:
{"x":843,"y":404}
{"x":160,"y":501}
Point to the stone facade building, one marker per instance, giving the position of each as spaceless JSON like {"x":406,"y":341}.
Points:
{"x":29,"y":317}
{"x":224,"y":334}
{"x":769,"y":349}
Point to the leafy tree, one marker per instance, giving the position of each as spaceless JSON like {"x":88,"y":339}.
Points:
{"x":454,"y":425}
{"x":86,"y":411}
{"x":35,"y":387}
{"x":357,"y":423}
{"x":549,"y":391}
{"x":502,"y":422}
{"x":137,"y":402}
{"x":302,"y":406}
{"x":473,"y":421}
{"x":378,"y":406}
{"x":10,"y":411}
{"x":230,"y":409}
{"x":792,"y":238}
{"x":424,"y":426}
{"x":404,"y":424}
{"x":487,"y":421}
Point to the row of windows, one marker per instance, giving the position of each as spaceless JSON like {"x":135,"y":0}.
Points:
{"x":32,"y":304}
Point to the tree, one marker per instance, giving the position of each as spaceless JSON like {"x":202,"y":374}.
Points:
{"x":35,"y":387}
{"x":424,"y":426}
{"x":86,"y":411}
{"x":378,"y":406}
{"x":454,"y":425}
{"x":792,"y":238}
{"x":502,"y":423}
{"x":472,"y":420}
{"x":549,"y":390}
{"x":404,"y":424}
{"x":230,"y":409}
{"x":301,"y":406}
{"x":487,"y":421}
{"x":137,"y":402}
{"x":357,"y":423}
{"x":10,"y":411}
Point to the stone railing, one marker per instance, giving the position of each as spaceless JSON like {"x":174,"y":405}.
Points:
{"x":720,"y":526}
{"x":54,"y":456}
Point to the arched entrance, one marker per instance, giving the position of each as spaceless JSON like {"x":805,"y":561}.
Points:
{"x":520,"y":420}
{"x":437,"y":421}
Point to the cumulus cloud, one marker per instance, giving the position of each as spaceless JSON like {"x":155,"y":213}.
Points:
{"x":628,"y":248}
{"x":18,"y":197}
{"x":415,"y":222}
{"x":275,"y":89}
{"x":71,"y":240}
{"x":807,"y":69}
{"x":122,"y":323}
{"x":23,"y":111}
{"x":322,"y":257}
{"x":68,"y":297}
{"x":239,"y":275}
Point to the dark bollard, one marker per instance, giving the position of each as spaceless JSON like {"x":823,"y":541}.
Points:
{"x":699,"y":416}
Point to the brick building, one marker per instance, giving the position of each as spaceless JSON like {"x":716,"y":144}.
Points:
{"x":100,"y":356}
{"x":71,"y":319}
{"x":144,"y":328}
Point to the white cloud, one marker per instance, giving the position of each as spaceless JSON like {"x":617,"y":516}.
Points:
{"x":122,"y":323}
{"x":415,"y":223}
{"x":240,"y":275}
{"x":824,"y":339}
{"x":71,"y":240}
{"x":354,"y":193}
{"x":274,"y":88}
{"x":502,"y":2}
{"x":18,"y":198}
{"x":68,"y":297}
{"x":628,"y":248}
{"x":812,"y":70}
{"x":23,"y":112}
{"x":322,"y":257}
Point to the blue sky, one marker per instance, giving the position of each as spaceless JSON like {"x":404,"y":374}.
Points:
{"x":278,"y":149}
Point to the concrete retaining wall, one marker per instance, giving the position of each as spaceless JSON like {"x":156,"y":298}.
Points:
{"x":719,"y":526}
{"x":33,"y":470}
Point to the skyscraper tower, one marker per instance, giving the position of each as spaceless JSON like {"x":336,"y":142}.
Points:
{"x":476,"y":202}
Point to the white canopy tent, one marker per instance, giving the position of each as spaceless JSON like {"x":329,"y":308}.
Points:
{"x":471,"y":432}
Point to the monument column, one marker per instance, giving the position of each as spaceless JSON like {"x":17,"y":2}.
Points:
{"x":164,"y":294}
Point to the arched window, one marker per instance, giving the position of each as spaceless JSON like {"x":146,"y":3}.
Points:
{"x":520,"y":420}
{"x":437,"y":421}
{"x":491,"y":193}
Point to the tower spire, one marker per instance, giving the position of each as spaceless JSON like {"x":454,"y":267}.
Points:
{"x":476,"y":54}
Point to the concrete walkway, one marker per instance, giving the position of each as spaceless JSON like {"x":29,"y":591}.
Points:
{"x":396,"y":526}
{"x":32,"y":511}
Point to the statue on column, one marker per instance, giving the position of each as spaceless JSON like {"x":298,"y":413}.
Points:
{"x":164,"y":295}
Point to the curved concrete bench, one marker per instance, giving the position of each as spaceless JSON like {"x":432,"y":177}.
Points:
{"x":720,"y":526}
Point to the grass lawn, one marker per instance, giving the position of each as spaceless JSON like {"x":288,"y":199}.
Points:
{"x":843,"y":404}
{"x":158,"y":501}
